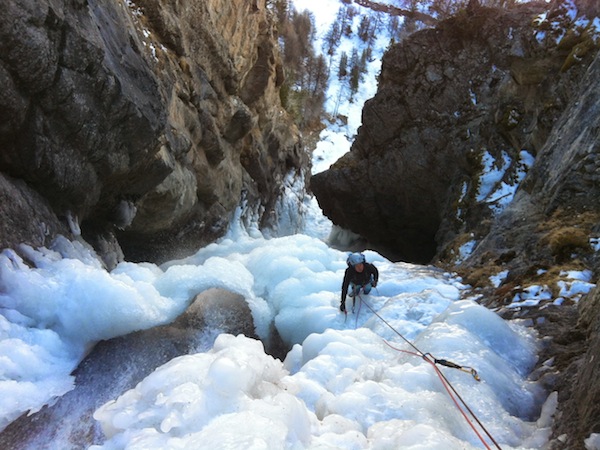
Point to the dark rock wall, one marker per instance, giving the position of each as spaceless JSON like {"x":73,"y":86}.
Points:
{"x":143,"y":123}
{"x":580,"y":393}
{"x":485,"y":80}
{"x":547,"y":230}
{"x":556,"y":211}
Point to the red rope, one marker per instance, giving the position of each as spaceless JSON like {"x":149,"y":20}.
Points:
{"x":449,"y":388}
{"x":446,"y":384}
{"x":441,"y":375}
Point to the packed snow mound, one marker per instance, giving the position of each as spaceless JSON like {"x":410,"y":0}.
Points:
{"x":338,"y":389}
{"x":348,"y":381}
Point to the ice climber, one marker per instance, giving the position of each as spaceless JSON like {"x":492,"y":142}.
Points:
{"x":359,"y":276}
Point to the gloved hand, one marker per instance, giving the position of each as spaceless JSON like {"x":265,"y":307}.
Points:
{"x":342,"y":307}
{"x":374,"y":283}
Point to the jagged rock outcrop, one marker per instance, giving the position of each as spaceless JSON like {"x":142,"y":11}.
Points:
{"x":547,"y":230}
{"x":140,"y":123}
{"x":485,"y":81}
{"x":555,"y":213}
{"x":578,"y":387}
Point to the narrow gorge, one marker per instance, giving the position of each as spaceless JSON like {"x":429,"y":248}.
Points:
{"x":140,"y":128}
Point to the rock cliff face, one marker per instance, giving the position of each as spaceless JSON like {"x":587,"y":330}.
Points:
{"x":484,"y":82}
{"x":140,"y":125}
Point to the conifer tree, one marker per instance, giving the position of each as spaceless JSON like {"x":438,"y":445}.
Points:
{"x":305,"y":73}
{"x":332,"y":39}
{"x":343,"y":65}
{"x":354,"y":73}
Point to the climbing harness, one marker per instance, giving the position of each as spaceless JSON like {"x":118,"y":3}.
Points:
{"x":356,"y":294}
{"x":454,"y":395}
